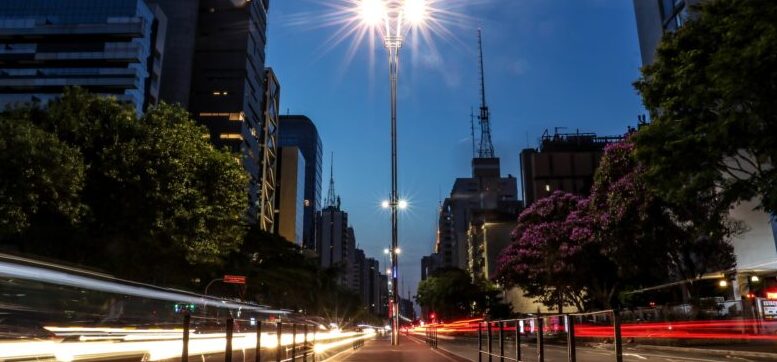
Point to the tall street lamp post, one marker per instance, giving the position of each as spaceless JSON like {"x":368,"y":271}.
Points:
{"x":396,"y":16}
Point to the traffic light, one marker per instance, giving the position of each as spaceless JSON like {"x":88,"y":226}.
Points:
{"x":184,"y":307}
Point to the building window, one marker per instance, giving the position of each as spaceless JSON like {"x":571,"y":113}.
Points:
{"x":230,"y":136}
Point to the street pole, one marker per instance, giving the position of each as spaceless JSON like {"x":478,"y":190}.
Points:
{"x":393,"y":43}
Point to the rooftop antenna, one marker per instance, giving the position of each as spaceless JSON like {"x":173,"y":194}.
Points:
{"x":332,"y":200}
{"x":486,"y":147}
{"x":472,"y":131}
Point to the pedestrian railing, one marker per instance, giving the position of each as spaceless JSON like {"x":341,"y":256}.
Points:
{"x":431,"y":335}
{"x":494,"y":336}
{"x":264,"y":341}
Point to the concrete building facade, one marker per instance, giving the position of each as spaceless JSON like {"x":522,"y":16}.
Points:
{"x":217,"y":71}
{"x":290,"y":200}
{"x":301,"y":132}
{"x":485,"y":190}
{"x":113,"y":48}
{"x":565,"y":162}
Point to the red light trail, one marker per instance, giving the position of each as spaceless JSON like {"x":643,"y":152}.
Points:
{"x":712,"y":329}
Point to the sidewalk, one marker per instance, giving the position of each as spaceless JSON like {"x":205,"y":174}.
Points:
{"x":410,"y":349}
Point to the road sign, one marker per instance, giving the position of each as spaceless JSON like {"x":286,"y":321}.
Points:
{"x":235,"y":279}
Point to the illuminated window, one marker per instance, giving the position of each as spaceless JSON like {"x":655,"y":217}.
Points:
{"x":547,"y":188}
{"x":231,"y":136}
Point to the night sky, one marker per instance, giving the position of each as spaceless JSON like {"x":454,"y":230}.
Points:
{"x":549,"y":63}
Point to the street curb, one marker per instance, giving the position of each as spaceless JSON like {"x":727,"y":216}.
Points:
{"x":717,"y":352}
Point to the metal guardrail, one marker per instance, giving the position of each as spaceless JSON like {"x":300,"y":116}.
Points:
{"x":431,"y":335}
{"x":538,"y":326}
{"x":296,"y":351}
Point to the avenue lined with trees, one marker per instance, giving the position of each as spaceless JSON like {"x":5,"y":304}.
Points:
{"x":149,"y":199}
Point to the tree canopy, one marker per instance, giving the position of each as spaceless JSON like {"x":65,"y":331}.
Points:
{"x":140,"y":197}
{"x":711,"y":95}
{"x":573,"y":250}
{"x":543,"y":256}
{"x":450,"y":293}
{"x":40,"y":176}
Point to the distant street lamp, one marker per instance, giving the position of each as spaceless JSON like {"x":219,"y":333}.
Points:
{"x":392,"y":18}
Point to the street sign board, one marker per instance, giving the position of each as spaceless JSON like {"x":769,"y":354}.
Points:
{"x":769,"y":309}
{"x":234,"y":279}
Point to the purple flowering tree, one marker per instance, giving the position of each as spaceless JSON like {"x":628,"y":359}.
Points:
{"x":651,"y":240}
{"x":543,"y":258}
{"x":570,"y":250}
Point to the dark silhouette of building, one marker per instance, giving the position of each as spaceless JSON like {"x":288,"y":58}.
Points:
{"x":301,"y":132}
{"x":113,"y":48}
{"x":565,"y":162}
{"x":372,"y":290}
{"x":217,"y":71}
{"x":429,"y":264}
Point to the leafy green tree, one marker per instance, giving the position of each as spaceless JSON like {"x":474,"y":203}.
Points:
{"x":157,"y":197}
{"x":279,"y":274}
{"x":711,"y":94}
{"x":40,"y":176}
{"x":448,"y":292}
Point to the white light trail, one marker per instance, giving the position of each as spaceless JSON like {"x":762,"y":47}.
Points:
{"x":155,"y":350}
{"x":69,"y":278}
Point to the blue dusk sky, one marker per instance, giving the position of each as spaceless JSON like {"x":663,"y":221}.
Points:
{"x":548,"y":63}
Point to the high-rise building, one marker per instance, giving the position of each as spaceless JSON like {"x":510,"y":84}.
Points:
{"x":565,"y":162}
{"x":486,"y":190}
{"x":111,"y":48}
{"x":372,"y":286}
{"x":182,"y":18}
{"x":217,"y":71}
{"x":268,"y":146}
{"x":359,"y":274}
{"x":337,"y":240}
{"x":332,"y":229}
{"x":655,"y":17}
{"x":429,"y":264}
{"x":301,"y":132}
{"x":383,"y":296}
{"x":407,"y":308}
{"x":290,"y":200}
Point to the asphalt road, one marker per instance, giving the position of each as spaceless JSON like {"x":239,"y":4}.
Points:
{"x":554,"y":353}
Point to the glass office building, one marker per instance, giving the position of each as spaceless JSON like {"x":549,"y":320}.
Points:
{"x":301,"y":132}
{"x":228,"y":90}
{"x":107,"y":47}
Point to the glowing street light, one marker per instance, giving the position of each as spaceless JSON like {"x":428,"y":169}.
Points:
{"x":372,"y":12}
{"x":385,"y":204}
{"x":415,"y":11}
{"x":403,"y":204}
{"x":392,"y":19}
